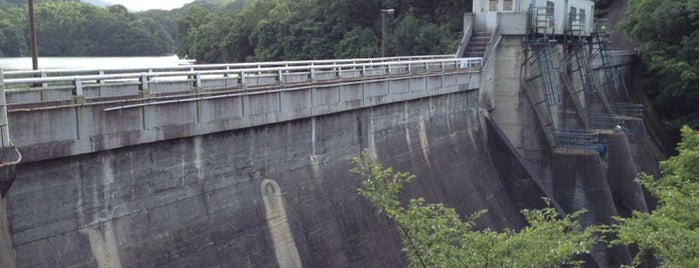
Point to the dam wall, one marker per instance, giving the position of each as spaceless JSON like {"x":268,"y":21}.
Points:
{"x":601,"y":182}
{"x":7,"y":258}
{"x":273,"y":195}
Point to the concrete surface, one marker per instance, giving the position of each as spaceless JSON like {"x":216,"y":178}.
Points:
{"x":7,"y":252}
{"x":202,"y":201}
{"x":80,"y":129}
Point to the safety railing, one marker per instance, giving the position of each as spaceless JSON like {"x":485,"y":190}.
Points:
{"x":225,"y":77}
{"x":578,"y":139}
{"x":627,"y":109}
{"x":208,"y":67}
{"x":605,"y":121}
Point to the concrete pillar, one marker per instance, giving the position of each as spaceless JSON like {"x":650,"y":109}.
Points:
{"x":7,"y":252}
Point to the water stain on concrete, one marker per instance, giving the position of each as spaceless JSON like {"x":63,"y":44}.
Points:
{"x":284,"y":246}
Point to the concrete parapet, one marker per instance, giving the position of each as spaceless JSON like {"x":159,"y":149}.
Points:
{"x":65,"y":130}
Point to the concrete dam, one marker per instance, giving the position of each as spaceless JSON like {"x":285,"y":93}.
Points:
{"x":248,"y":165}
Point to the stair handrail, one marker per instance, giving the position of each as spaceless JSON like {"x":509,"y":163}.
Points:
{"x":468,"y":32}
{"x":492,"y":44}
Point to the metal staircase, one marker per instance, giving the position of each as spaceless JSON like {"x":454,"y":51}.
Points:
{"x":584,"y":69}
{"x":549,"y":81}
{"x":610,"y":84}
{"x":618,"y":112}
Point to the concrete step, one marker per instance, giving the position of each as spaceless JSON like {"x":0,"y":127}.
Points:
{"x":481,"y":34}
{"x":478,"y":44}
{"x":483,"y":39}
{"x":475,"y":49}
{"x":473,"y":55}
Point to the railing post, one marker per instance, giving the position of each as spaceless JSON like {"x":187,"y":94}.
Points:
{"x":4,"y":128}
{"x":197,"y":82}
{"x":144,"y":88}
{"x":78,"y":93}
{"x":280,"y":77}
{"x":42,"y":74}
{"x":101,"y":73}
{"x":243,"y":83}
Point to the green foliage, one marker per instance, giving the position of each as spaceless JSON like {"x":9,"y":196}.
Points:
{"x":73,"y":28}
{"x":671,"y":232}
{"x":12,"y":33}
{"x":669,"y":35}
{"x":435,"y":236}
{"x":264,"y":30}
{"x":358,"y":43}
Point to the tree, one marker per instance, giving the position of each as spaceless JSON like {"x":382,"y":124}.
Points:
{"x":668,"y":32}
{"x":671,"y":232}
{"x":434,"y":235}
{"x":262,"y":30}
{"x":358,"y":43}
{"x":74,"y":28}
{"x":13,"y":40}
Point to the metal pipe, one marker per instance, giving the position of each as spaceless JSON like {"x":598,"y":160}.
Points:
{"x":32,"y":33}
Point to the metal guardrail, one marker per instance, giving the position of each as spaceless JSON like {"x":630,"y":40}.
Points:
{"x":605,"y":121}
{"x":205,"y":67}
{"x":627,"y":109}
{"x":277,"y":75}
{"x":579,"y":139}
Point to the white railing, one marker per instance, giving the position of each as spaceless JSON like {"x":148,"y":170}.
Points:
{"x":249,"y":75}
{"x":204,"y":67}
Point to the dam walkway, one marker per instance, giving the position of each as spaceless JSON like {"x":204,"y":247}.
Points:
{"x":59,"y":113}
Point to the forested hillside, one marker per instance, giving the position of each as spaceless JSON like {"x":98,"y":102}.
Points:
{"x":668,"y":32}
{"x":73,"y":28}
{"x":237,"y":30}
{"x":313,"y":29}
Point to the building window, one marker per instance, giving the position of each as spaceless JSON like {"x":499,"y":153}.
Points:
{"x":507,"y":5}
{"x":550,"y":9}
{"x":573,"y":16}
{"x":493,"y":5}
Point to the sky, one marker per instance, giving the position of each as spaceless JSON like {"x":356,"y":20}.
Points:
{"x":141,"y":5}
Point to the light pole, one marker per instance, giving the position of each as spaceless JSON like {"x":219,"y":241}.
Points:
{"x":383,"y":29}
{"x":32,"y":33}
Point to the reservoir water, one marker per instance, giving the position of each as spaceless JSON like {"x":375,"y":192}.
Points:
{"x":25,"y":63}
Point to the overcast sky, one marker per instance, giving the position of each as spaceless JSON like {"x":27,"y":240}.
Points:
{"x":141,"y":5}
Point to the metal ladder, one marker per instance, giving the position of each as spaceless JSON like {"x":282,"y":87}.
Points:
{"x":549,"y":81}
{"x":610,"y":80}
{"x":584,"y":68}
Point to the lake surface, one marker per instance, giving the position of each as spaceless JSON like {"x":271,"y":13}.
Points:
{"x":25,"y":63}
